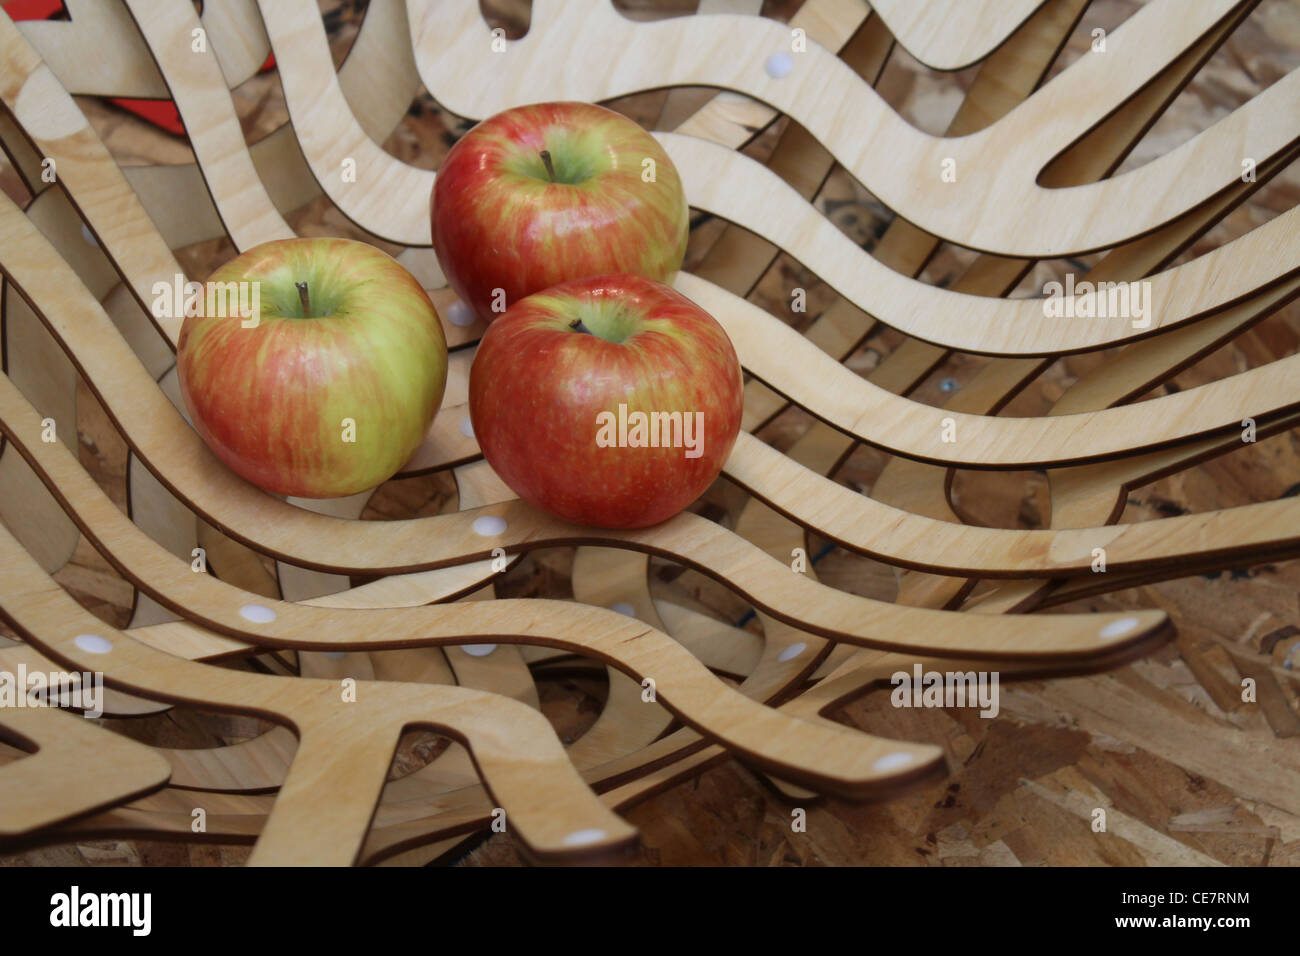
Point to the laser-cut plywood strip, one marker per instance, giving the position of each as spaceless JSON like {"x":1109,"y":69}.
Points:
{"x":1003,"y":81}
{"x":344,"y":746}
{"x":21,"y":243}
{"x":737,"y":259}
{"x":378,"y":78}
{"x":77,"y":769}
{"x":330,"y":137}
{"x":162,"y":444}
{"x":452,"y":46}
{"x":197,"y":87}
{"x":741,"y":191}
{"x":730,"y":191}
{"x":953,"y":35}
{"x":1192,"y":410}
{"x":1132,"y":373}
{"x":726,"y":184}
{"x":858,"y":620}
{"x":77,"y":487}
{"x":120,"y":65}
{"x":420,"y":816}
{"x":911,"y":486}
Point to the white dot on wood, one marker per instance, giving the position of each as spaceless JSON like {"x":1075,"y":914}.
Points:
{"x":93,"y":643}
{"x":779,"y":65}
{"x":584,"y":837}
{"x":459,"y":314}
{"x":892,"y":761}
{"x":1117,"y":628}
{"x":489,"y":525}
{"x":257,"y":613}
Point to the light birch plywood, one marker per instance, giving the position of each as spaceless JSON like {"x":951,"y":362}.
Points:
{"x":899,"y":164}
{"x":1201,"y":274}
{"x":245,"y":193}
{"x":344,"y":747}
{"x":950,"y":36}
{"x":161,"y":443}
{"x":98,"y":51}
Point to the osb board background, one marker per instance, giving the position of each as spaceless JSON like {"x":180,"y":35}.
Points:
{"x":1188,"y":773}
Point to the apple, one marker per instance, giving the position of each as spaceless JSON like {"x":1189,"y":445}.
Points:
{"x":326,"y":380}
{"x":610,"y":401}
{"x":542,"y":194}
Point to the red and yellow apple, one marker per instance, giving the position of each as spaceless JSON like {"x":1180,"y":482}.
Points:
{"x":611,"y":401}
{"x":542,"y":194}
{"x":331,"y":385}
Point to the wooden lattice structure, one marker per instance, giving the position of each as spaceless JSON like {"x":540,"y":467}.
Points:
{"x":1024,"y":174}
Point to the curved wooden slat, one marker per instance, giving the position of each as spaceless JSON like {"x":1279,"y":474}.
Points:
{"x":743,"y":191}
{"x":161,"y":446}
{"x":331,"y":138}
{"x":77,"y":769}
{"x":98,"y":51}
{"x":953,"y":34}
{"x":877,"y":146}
{"x":688,"y":538}
{"x":344,"y":745}
{"x":199,"y":91}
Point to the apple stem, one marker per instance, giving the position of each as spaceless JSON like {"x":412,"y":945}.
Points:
{"x":577,"y":326}
{"x":546,"y":161}
{"x":305,"y":299}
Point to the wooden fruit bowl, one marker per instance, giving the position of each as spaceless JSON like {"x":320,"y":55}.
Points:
{"x":369,"y":629}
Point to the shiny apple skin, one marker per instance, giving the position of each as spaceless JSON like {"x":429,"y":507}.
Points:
{"x":270,"y":400}
{"x":537,"y":386}
{"x":498,"y":223}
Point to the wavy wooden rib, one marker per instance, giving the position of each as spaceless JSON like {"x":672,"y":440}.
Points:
{"x":903,"y":167}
